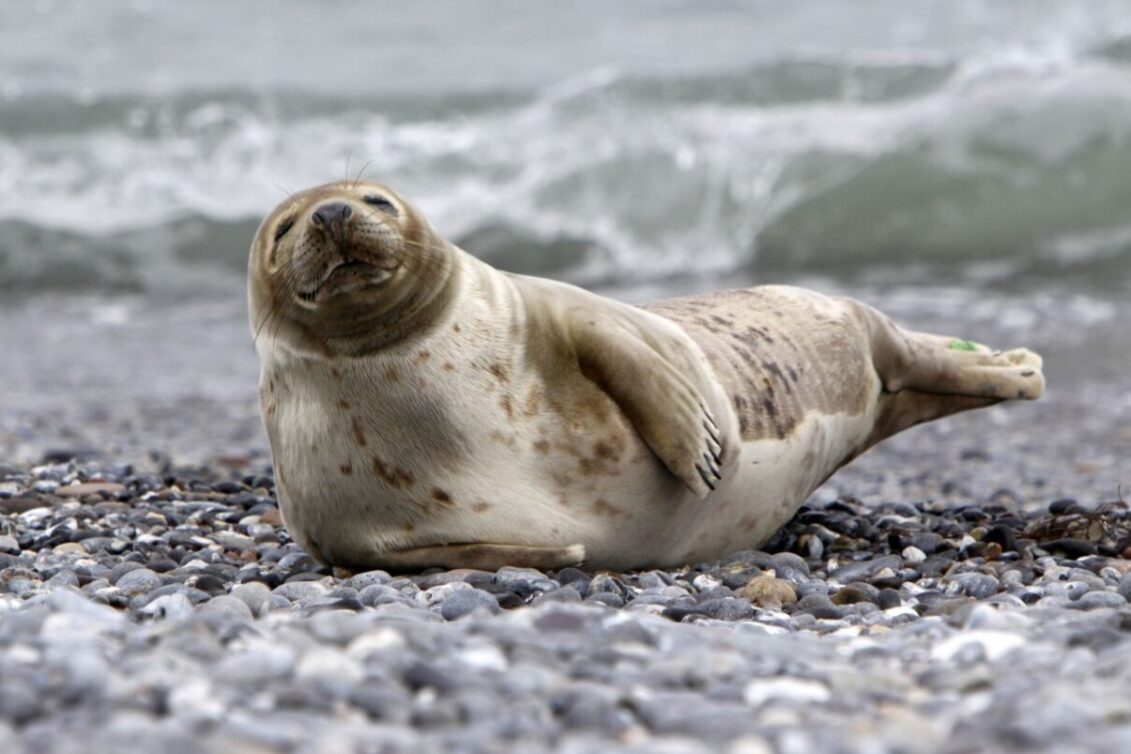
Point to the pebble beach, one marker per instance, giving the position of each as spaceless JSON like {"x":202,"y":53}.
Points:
{"x":162,"y":607}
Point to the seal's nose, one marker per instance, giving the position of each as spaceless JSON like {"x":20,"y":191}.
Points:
{"x":332,"y":217}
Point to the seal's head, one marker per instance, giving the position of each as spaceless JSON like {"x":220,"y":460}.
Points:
{"x":345,"y":269}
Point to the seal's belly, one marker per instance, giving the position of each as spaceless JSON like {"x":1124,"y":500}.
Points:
{"x":356,"y":482}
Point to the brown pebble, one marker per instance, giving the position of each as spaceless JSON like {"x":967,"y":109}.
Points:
{"x":769,"y":591}
{"x":90,"y":488}
{"x":272,"y":517}
{"x":20,"y":504}
{"x":849,"y":595}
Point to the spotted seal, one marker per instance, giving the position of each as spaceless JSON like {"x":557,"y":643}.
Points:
{"x":425,"y":409}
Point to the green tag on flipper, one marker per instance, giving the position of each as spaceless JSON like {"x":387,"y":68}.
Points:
{"x":962,"y":345}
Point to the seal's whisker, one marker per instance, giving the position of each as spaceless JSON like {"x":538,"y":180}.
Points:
{"x":360,"y":173}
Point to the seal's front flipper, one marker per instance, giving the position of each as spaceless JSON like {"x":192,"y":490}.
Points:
{"x":665,"y":407}
{"x":482,"y":557}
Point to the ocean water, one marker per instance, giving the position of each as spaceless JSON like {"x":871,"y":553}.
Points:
{"x":965,"y":164}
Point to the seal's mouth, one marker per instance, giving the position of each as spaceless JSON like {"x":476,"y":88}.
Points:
{"x":346,"y":276}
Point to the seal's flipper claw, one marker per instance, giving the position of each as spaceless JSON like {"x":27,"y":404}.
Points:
{"x":708,"y":478}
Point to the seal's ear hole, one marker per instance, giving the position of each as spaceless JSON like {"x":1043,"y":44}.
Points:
{"x":381,"y":203}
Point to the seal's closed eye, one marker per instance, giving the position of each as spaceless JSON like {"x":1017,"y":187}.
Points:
{"x":282,"y":228}
{"x":380,"y":203}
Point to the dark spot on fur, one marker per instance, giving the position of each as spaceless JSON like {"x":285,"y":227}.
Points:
{"x":604,"y":508}
{"x":449,"y":366}
{"x":455,"y":327}
{"x":422,"y":357}
{"x":410,"y":526}
{"x":499,"y":371}
{"x":394,"y":476}
{"x":441,"y":496}
{"x":542,"y":446}
{"x":346,"y":468}
{"x":344,"y":405}
{"x":480,"y":507}
{"x":392,"y":375}
{"x":508,"y":409}
{"x":336,"y":372}
{"x":499,"y":437}
{"x":358,"y":432}
{"x":605,"y":451}
{"x":533,"y":402}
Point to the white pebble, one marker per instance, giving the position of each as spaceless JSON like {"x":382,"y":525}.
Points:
{"x":994,"y":644}
{"x":383,"y":639}
{"x":913,"y":554}
{"x":799,"y":690}
{"x":329,"y":665}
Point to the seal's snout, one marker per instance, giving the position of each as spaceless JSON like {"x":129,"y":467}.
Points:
{"x":332,"y":218}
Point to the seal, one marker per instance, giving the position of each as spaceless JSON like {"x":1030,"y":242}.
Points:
{"x":425,"y":409}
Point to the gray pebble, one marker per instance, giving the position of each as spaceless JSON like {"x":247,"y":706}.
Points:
{"x":296,"y":591}
{"x":1124,"y":587}
{"x":254,"y":594}
{"x":379,"y":594}
{"x":225,"y":606}
{"x":524,"y":582}
{"x":972,"y":584}
{"x":1097,"y":598}
{"x":865,"y":568}
{"x":464,"y":602}
{"x":139,"y":581}
{"x":20,"y":700}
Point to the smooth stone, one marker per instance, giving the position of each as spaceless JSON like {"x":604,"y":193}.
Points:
{"x":120,"y":570}
{"x":90,"y":488}
{"x":19,"y":701}
{"x":976,"y":585}
{"x":380,"y":594}
{"x":233,"y":541}
{"x":727,"y":608}
{"x":793,"y":690}
{"x":383,"y":703}
{"x":254,"y":594}
{"x":865,"y":568}
{"x":1124,"y":587}
{"x":1095,"y":599}
{"x":368,"y":578}
{"x":819,"y":606}
{"x":607,"y":599}
{"x":1077,"y":589}
{"x":524,"y":582}
{"x":225,"y":606}
{"x":139,"y":581}
{"x":9,"y":545}
{"x":768,"y":591}
{"x":176,"y":605}
{"x":913,"y":554}
{"x":296,"y":591}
